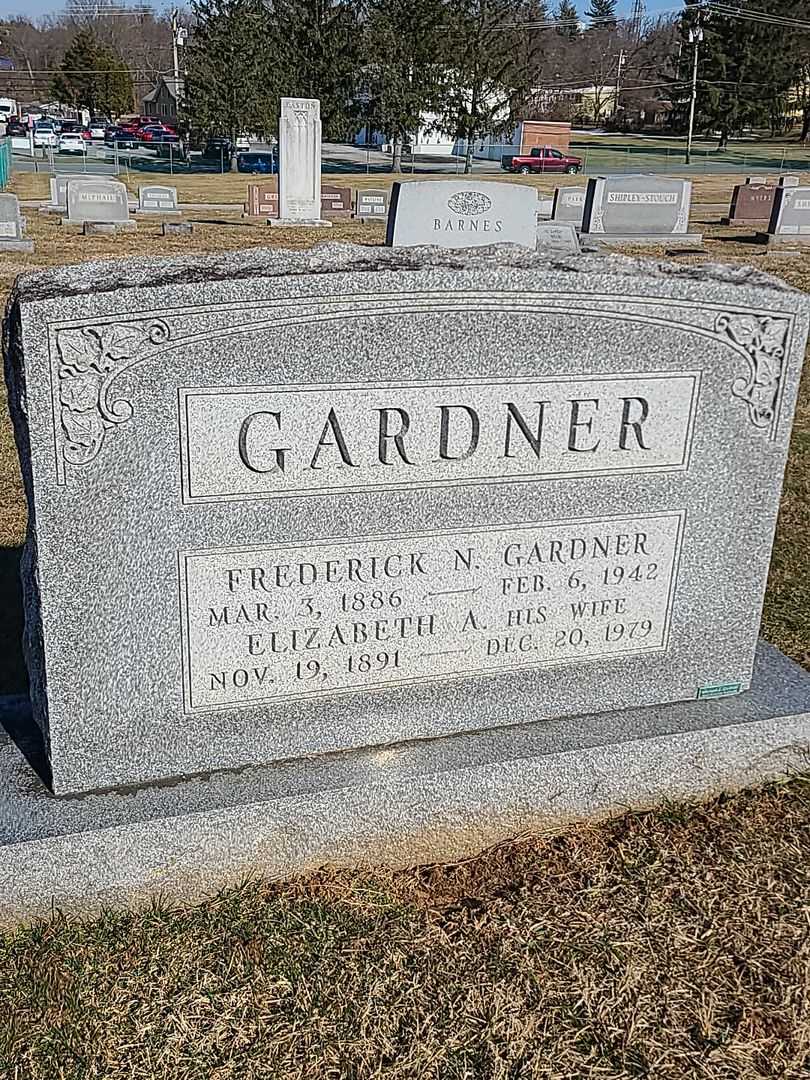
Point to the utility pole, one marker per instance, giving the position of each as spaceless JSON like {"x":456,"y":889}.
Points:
{"x":622,"y":62}
{"x":695,"y":38}
{"x":175,"y":60}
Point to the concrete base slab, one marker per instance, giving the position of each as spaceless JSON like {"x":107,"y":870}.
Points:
{"x":783,"y":239}
{"x":659,"y":240}
{"x":309,"y":223}
{"x":101,"y":226}
{"x":156,"y":213}
{"x":16,"y":245}
{"x":405,"y":804}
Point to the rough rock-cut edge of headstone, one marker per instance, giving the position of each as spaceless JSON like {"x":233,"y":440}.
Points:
{"x":111,"y":275}
{"x":33,"y":643}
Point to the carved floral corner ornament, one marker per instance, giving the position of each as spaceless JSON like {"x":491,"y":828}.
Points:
{"x":91,"y":358}
{"x":762,"y":340}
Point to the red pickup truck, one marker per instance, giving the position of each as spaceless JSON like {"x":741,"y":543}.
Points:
{"x":541,"y":159}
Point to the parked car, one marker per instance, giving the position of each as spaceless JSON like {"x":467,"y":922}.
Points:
{"x":122,"y":138}
{"x":155,"y":133}
{"x":218,"y":149}
{"x":16,"y":128}
{"x":98,"y":127}
{"x":541,"y":159}
{"x":45,"y":134}
{"x":71,"y":142}
{"x":257,"y":161}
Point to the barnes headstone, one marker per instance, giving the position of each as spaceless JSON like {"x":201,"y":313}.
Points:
{"x":461,"y":213}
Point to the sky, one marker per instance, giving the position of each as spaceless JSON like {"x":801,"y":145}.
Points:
{"x":36,"y":8}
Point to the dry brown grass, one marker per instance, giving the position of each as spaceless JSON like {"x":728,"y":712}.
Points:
{"x":666,"y":945}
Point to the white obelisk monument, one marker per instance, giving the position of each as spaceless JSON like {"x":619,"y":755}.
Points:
{"x":299,"y":163}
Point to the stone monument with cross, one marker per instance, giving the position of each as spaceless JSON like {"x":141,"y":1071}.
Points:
{"x":299,"y":175}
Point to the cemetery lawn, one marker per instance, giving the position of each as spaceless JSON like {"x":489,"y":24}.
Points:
{"x":669,"y":944}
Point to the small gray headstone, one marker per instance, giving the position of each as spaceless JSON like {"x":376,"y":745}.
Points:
{"x":545,"y":207}
{"x":157,"y":199}
{"x":760,"y":178}
{"x":371,"y":204}
{"x":58,"y":188}
{"x":790,"y":218}
{"x":558,"y":236}
{"x":789,"y":180}
{"x":177,"y":228}
{"x":638,"y":207}
{"x":461,"y":214}
{"x":569,"y":204}
{"x":98,"y":228}
{"x":97,"y":200}
{"x":12,"y":226}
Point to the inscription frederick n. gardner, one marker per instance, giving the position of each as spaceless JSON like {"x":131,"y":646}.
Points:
{"x":279,"y":622}
{"x":265,"y":442}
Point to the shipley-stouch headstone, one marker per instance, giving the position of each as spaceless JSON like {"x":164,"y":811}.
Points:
{"x":569,"y":203}
{"x":463,"y":542}
{"x":371,"y":204}
{"x":157,"y":199}
{"x":12,"y":226}
{"x":642,"y":208}
{"x":94,"y":199}
{"x":461,"y":213}
{"x":790,"y":217}
{"x":299,"y":162}
{"x":751,"y":204}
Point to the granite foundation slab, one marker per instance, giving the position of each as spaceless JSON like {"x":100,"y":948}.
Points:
{"x":396,"y":805}
{"x":658,"y":240}
{"x":16,"y":245}
{"x":299,"y":223}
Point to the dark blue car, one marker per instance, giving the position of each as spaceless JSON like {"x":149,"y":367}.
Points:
{"x":257,"y":161}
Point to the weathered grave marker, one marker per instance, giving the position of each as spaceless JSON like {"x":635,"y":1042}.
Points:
{"x":299,"y":162}
{"x":12,"y":226}
{"x":97,"y":200}
{"x":751,"y":204}
{"x":461,"y":213}
{"x":790,"y":217}
{"x":371,"y":204}
{"x":559,"y":236}
{"x":545,"y":207}
{"x":157,"y":199}
{"x":58,"y":192}
{"x":262,"y":199}
{"x":569,"y":203}
{"x":336,"y":202}
{"x":177,"y":228}
{"x":789,"y":180}
{"x":639,"y":208}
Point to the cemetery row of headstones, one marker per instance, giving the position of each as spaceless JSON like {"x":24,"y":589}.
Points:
{"x":337,"y":203}
{"x":100,"y":201}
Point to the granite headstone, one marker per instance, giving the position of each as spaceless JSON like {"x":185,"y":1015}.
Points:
{"x":638,"y":208}
{"x":559,"y":236}
{"x":285,"y":504}
{"x":569,"y":204}
{"x":299,"y":162}
{"x":98,"y":200}
{"x":461,"y":213}
{"x":336,"y":202}
{"x":371,"y":204}
{"x":157,"y":199}
{"x":262,"y":199}
{"x":790,"y":217}
{"x":751,"y":204}
{"x":12,"y":226}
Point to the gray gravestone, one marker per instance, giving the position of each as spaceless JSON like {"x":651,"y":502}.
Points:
{"x":371,"y":204}
{"x":569,"y":204}
{"x":157,"y":199}
{"x":461,"y":213}
{"x":638,"y":208}
{"x":177,"y":228}
{"x":287,"y":506}
{"x":545,"y":207}
{"x":12,"y":226}
{"x":789,"y":180}
{"x":58,"y":192}
{"x":93,"y":199}
{"x":751,"y":204}
{"x":559,"y":236}
{"x":790,"y":217}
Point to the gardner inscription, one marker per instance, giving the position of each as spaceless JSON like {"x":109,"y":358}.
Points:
{"x":266,"y":442}
{"x":264,"y":624}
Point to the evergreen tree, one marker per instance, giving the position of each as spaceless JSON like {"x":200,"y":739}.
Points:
{"x":92,"y":77}
{"x":603,"y":13}
{"x":567,"y":13}
{"x":317,"y":51}
{"x":492,"y":63}
{"x":403,"y":70}
{"x":229,"y":87}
